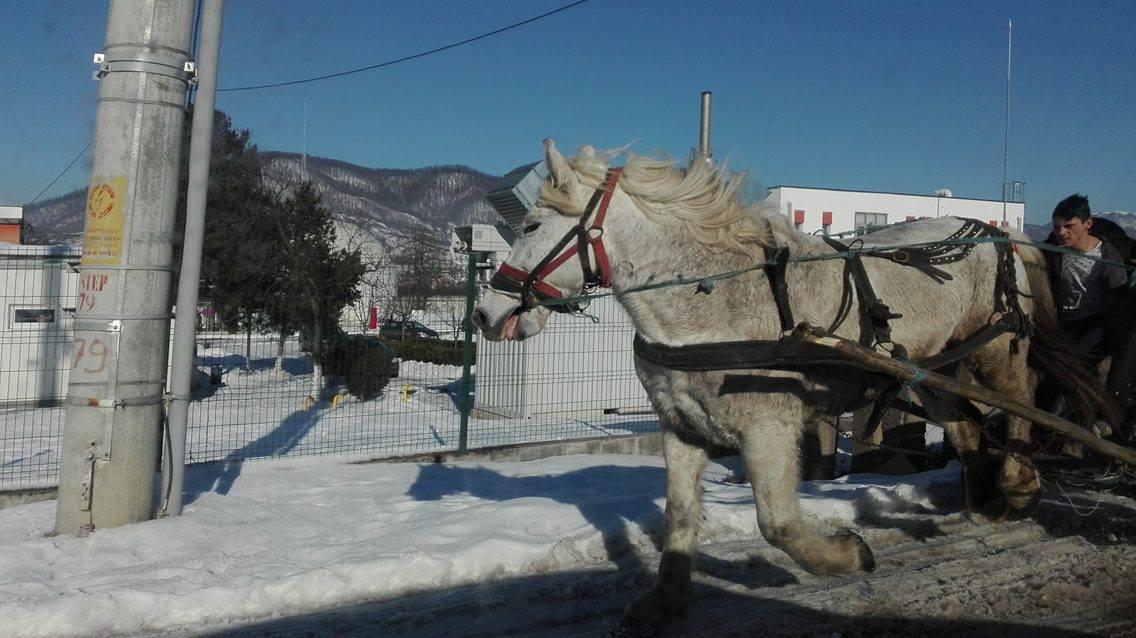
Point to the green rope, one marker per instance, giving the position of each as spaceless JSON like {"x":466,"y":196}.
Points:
{"x":706,"y":282}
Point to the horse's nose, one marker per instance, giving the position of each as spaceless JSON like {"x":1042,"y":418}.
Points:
{"x":480,"y":319}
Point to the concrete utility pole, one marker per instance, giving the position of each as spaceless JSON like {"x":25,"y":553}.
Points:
{"x":122,"y":326}
{"x":185,"y":332}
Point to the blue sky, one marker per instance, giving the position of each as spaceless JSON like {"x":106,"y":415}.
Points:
{"x":893,"y":96}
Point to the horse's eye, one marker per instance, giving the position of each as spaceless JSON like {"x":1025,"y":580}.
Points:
{"x":532,"y":227}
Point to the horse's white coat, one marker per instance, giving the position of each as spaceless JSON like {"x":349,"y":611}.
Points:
{"x":664,"y":224}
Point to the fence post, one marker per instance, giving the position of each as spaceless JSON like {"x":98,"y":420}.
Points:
{"x":467,"y":351}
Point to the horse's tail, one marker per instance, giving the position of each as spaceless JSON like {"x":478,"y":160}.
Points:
{"x":1054,"y":355}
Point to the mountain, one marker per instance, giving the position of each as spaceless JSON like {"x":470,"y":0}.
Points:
{"x":58,"y":220}
{"x":372,"y":206}
{"x":1124,"y":219}
{"x":385,"y":205}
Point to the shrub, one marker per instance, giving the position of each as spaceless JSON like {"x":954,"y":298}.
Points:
{"x":430,"y":351}
{"x":368,"y":372}
{"x":364,"y":363}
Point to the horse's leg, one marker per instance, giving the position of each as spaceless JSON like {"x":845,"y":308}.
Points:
{"x":966,"y":437}
{"x":672,"y":593}
{"x":865,"y":450}
{"x":769,"y":450}
{"x":819,"y":450}
{"x":1006,"y":372}
{"x":977,"y":478}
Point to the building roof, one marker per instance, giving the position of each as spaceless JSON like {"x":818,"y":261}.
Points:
{"x":852,"y":190}
{"x":514,"y":195}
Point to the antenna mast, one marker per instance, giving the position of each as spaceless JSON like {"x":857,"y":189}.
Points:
{"x":304,"y":151}
{"x":1006,"y":140}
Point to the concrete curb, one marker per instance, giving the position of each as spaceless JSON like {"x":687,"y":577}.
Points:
{"x":24,"y":496}
{"x":646,"y":444}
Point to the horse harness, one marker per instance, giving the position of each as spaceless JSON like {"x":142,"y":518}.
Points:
{"x":530,"y":285}
{"x":790,"y":354}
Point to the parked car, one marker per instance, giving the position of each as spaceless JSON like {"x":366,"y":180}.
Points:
{"x":396,"y":328}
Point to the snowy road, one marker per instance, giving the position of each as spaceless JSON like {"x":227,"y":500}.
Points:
{"x":1070,"y":571}
{"x":555,"y":547}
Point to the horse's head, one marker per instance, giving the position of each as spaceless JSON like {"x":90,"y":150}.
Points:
{"x":560,"y":251}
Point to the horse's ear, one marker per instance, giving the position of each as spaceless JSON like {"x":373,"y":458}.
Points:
{"x":558,"y":167}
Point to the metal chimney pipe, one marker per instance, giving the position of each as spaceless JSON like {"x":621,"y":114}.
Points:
{"x":704,"y":128}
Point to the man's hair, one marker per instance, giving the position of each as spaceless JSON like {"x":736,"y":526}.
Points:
{"x":1076,"y":205}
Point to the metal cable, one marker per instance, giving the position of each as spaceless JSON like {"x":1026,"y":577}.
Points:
{"x":61,"y":173}
{"x":408,"y":57}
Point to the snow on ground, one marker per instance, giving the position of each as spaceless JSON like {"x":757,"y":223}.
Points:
{"x":284,"y":537}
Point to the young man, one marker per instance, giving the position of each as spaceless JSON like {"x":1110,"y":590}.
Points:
{"x":1095,"y":306}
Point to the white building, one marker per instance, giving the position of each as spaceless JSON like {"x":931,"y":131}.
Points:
{"x":832,"y":211}
{"x":38,"y":288}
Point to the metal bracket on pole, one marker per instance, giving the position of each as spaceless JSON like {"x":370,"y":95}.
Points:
{"x":128,"y":267}
{"x":115,"y":403}
{"x":97,"y":451}
{"x":88,"y":480}
{"x":97,"y":326}
{"x":116,"y":320}
{"x":143,"y":62}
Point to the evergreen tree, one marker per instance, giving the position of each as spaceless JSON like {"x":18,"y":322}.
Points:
{"x":311,"y":280}
{"x":239,"y":234}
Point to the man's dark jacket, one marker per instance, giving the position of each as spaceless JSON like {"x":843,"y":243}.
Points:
{"x":1119,"y":318}
{"x":1118,"y":246}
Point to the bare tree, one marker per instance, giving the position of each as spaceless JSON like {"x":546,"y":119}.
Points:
{"x":421,"y":262}
{"x":449,"y":304}
{"x":376,"y":286}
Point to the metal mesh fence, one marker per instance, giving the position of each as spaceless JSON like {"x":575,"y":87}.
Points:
{"x":256,"y":399}
{"x":574,"y":379}
{"x":37,"y":294}
{"x":256,"y":394}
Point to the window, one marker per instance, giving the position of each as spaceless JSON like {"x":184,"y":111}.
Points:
{"x":869,"y":221}
{"x":32,"y":316}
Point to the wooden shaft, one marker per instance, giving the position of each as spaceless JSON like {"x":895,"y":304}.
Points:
{"x":908,"y":372}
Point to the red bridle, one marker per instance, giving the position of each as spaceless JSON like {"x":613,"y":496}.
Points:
{"x":531,"y":285}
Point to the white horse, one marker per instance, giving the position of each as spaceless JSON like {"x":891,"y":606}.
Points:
{"x":652,"y":223}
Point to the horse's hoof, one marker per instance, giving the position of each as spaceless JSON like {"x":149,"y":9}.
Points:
{"x":1020,"y":486}
{"x":1019,"y":505}
{"x":867,"y":558}
{"x":864,"y":553}
{"x":656,"y":608}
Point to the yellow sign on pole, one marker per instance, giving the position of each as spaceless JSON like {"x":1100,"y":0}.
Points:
{"x":102,"y":240}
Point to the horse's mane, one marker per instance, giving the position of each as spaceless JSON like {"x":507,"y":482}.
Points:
{"x":703,"y":199}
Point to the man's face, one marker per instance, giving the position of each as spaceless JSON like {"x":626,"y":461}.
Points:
{"x":1072,"y":233}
